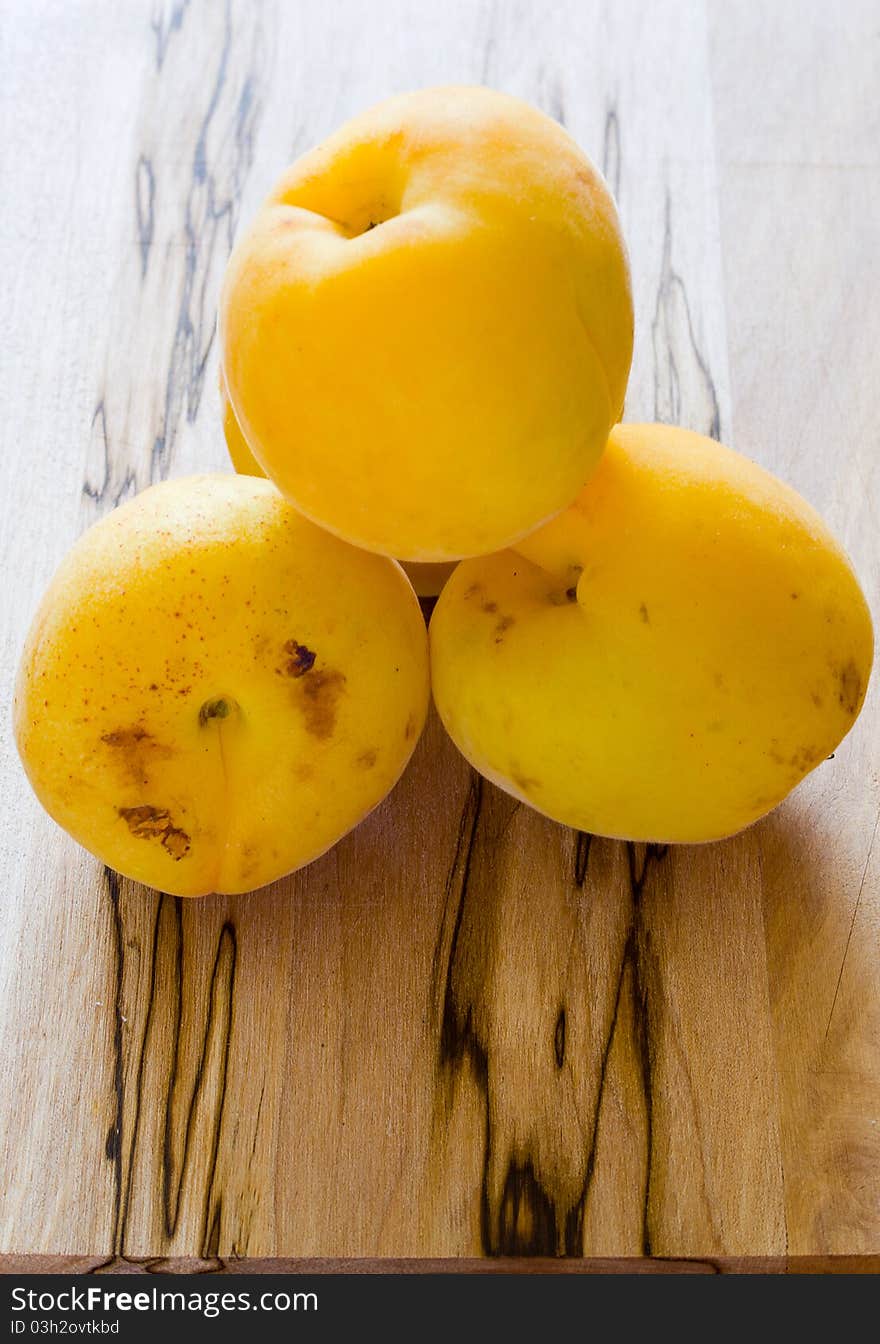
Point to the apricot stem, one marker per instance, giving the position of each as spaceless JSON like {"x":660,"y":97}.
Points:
{"x":215,"y":709}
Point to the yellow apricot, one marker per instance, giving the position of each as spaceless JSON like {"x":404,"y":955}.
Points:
{"x":236,"y":444}
{"x":214,"y":690}
{"x":668,"y":658}
{"x":427,"y":330}
{"x":426,"y":579}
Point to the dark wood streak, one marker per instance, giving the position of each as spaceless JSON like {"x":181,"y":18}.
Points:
{"x":581,"y":857}
{"x":456,"y":882}
{"x":113,"y":1145}
{"x":117,"y":481}
{"x":144,"y":202}
{"x":559,"y":1038}
{"x":166,"y":989}
{"x":172,"y":1183}
{"x":461,"y":1042}
{"x":611,"y":159}
{"x":227,"y":952}
{"x":210,"y":219}
{"x":637,"y":956}
{"x":684,"y":390}
{"x":131,"y":449}
{"x":528,"y":1217}
{"x":123,"y":1201}
{"x":628,"y":968}
{"x":458,"y":1041}
{"x":163,"y":32}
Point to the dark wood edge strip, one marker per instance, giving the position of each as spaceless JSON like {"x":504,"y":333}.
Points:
{"x":806,"y":1264}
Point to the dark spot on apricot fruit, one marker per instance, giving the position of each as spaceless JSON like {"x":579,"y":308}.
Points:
{"x":489,"y":607}
{"x":409,"y":730}
{"x":318,"y":695}
{"x":643,"y":614}
{"x":155,"y":823}
{"x":367,"y":759}
{"x":136,"y":748}
{"x":850,"y":687}
{"x":502,"y":627}
{"x":803,"y":759}
{"x":126,"y":738}
{"x":300,"y":659}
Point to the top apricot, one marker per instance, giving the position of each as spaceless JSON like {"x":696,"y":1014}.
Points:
{"x":427,"y":329}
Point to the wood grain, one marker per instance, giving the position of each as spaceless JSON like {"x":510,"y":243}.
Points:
{"x":466,"y":1032}
{"x":534,"y":1264}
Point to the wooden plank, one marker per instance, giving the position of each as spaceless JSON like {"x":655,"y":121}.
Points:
{"x":800,"y":195}
{"x":806,"y":1264}
{"x":466,"y":1031}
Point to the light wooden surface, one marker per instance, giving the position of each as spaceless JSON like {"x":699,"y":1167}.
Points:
{"x":466,"y":1031}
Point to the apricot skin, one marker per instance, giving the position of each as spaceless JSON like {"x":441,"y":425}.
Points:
{"x":668,"y":658}
{"x":214,"y":690}
{"x":427,"y":330}
{"x":426,"y":579}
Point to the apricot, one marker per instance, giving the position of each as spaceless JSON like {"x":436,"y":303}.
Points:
{"x":426,"y":579}
{"x":667,"y":659}
{"x":427,"y":329}
{"x":237,"y":445}
{"x":214,"y":690}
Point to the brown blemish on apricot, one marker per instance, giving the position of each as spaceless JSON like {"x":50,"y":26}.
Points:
{"x":803,"y":759}
{"x":523,"y":782}
{"x":643,"y":614}
{"x":126,"y":738}
{"x":304,"y":771}
{"x":502,"y":627}
{"x":409,"y":730}
{"x":249,"y":862}
{"x":136,"y":748}
{"x":155,"y":823}
{"x":850,"y":687}
{"x":489,"y":607}
{"x":300,"y":659}
{"x":318,"y":697}
{"x":367,"y":759}
{"x":474,"y":589}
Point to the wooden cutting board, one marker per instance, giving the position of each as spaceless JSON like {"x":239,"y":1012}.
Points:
{"x":466,"y":1031}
